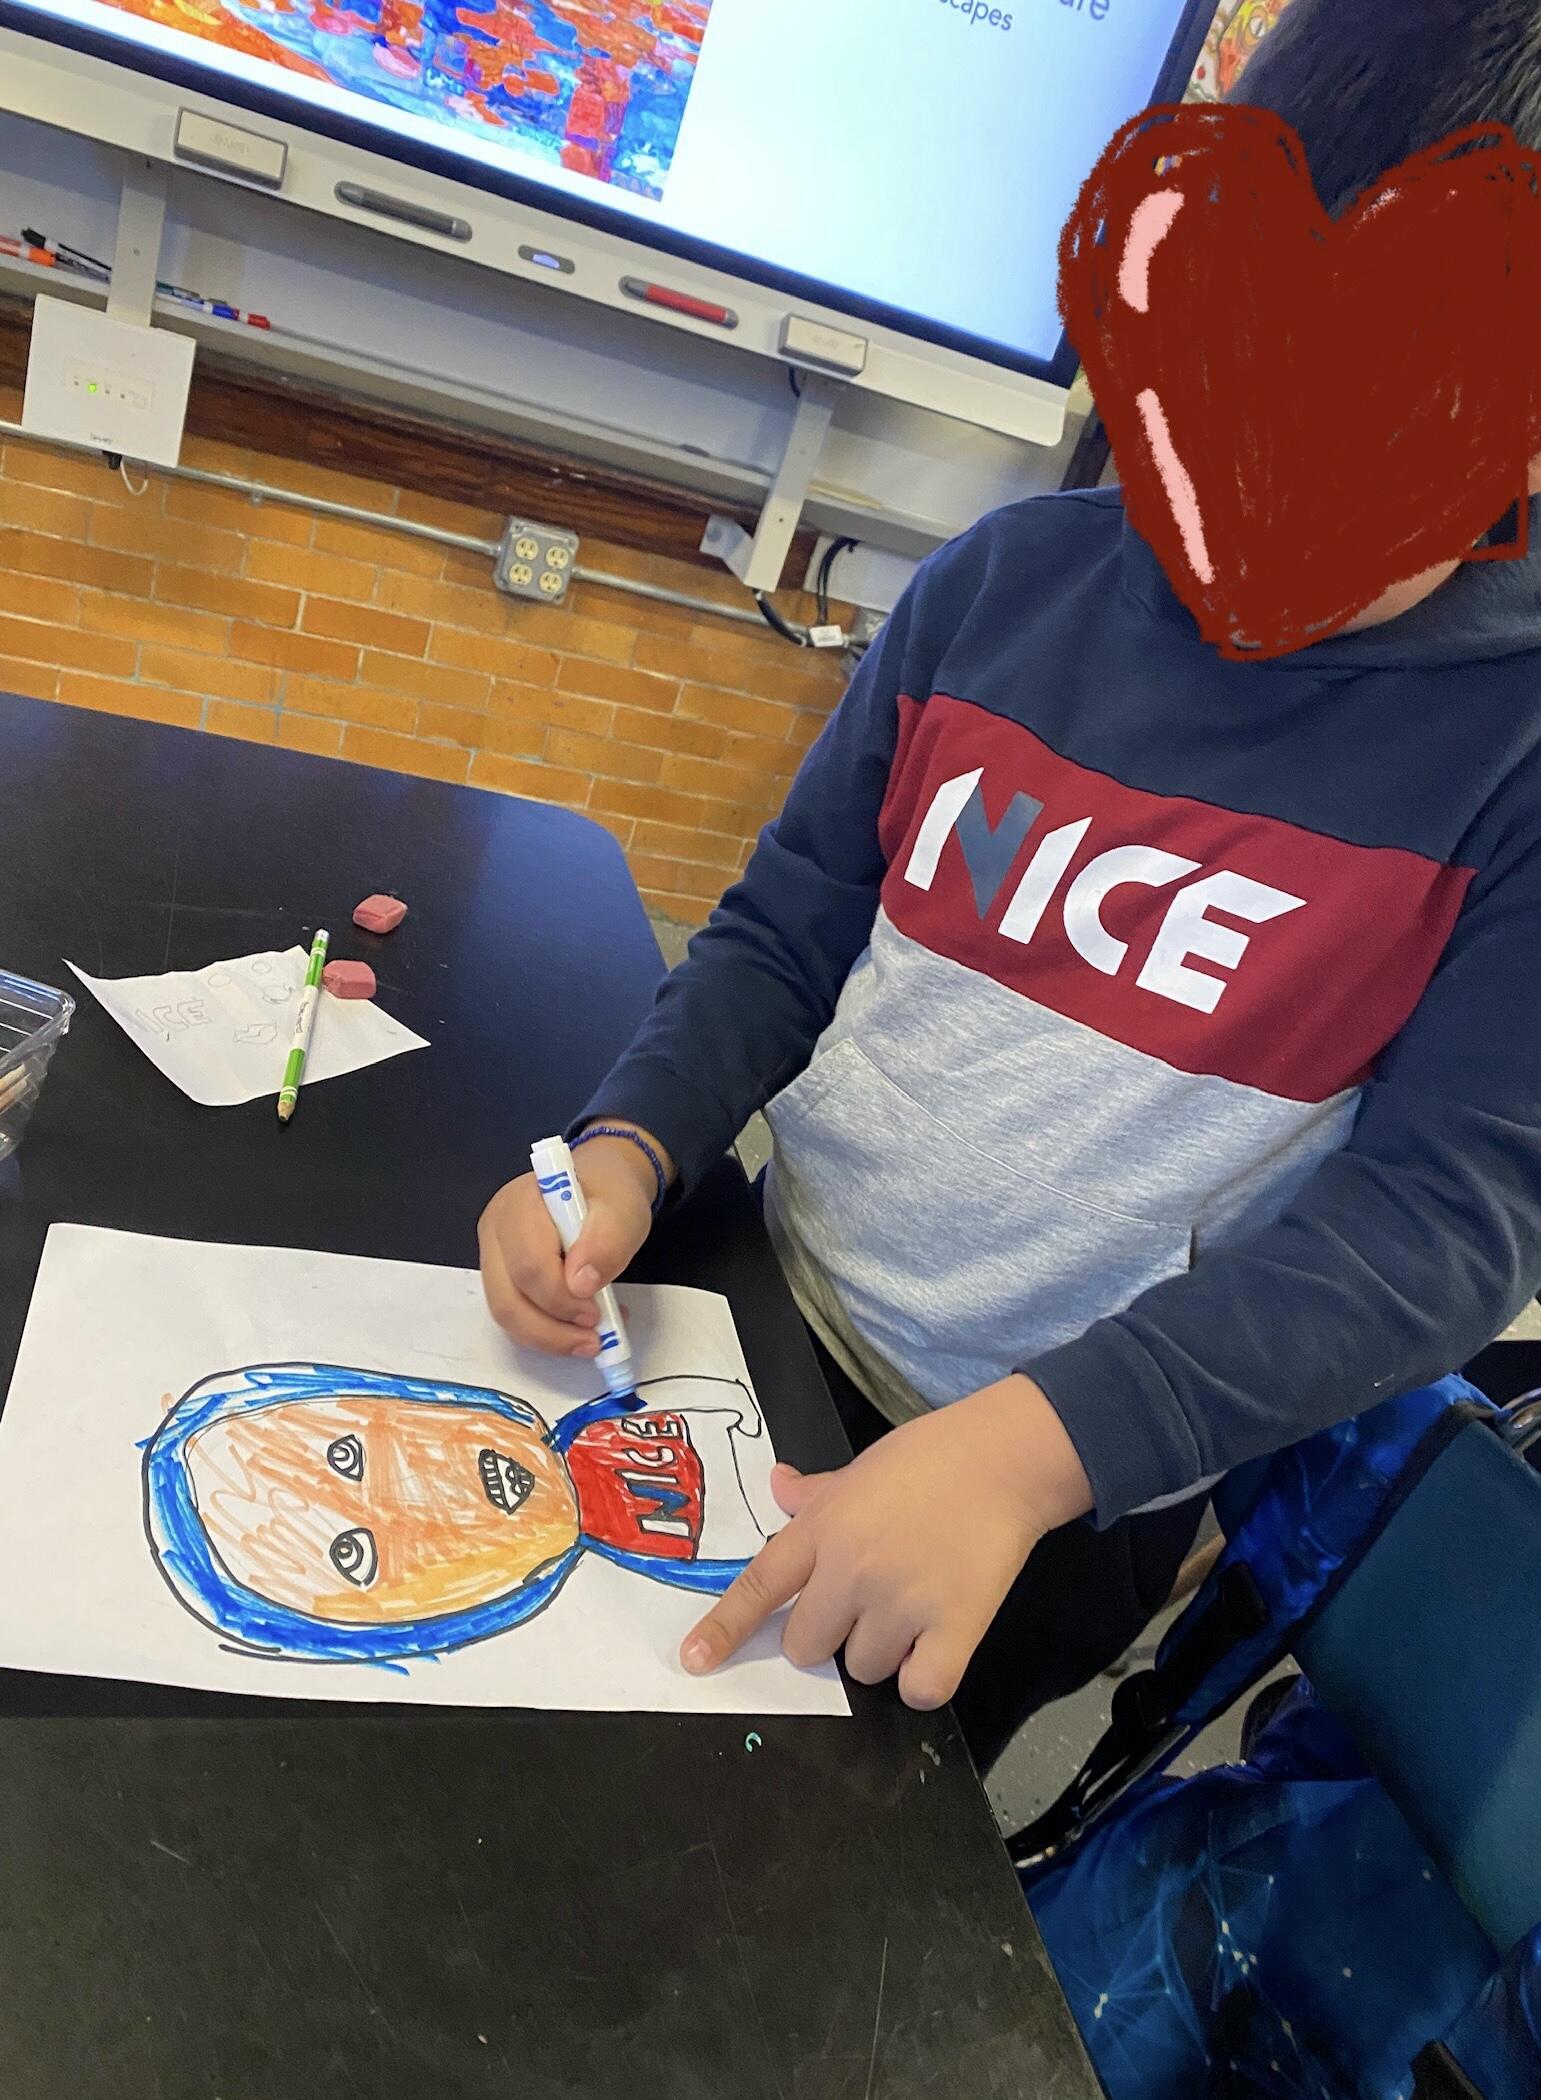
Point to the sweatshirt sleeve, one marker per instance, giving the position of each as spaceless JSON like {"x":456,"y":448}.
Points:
{"x":1405,"y":1253}
{"x":740,"y":1016}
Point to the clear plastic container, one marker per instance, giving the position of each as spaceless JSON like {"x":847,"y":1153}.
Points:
{"x":32,"y":1019}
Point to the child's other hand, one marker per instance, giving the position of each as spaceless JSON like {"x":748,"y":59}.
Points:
{"x":904,"y":1557}
{"x":541,"y":1297}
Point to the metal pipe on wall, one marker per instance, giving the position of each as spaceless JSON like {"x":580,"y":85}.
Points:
{"x":466,"y":543}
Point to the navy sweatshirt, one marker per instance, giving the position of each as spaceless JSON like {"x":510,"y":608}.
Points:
{"x":1163,"y":1027}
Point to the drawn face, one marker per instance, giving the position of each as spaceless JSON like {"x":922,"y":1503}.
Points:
{"x":369,"y":1510}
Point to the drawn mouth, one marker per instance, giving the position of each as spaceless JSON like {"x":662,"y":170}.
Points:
{"x":507,"y":1484}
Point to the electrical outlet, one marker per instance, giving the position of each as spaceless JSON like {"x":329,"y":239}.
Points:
{"x":109,"y":384}
{"x":536,"y":561}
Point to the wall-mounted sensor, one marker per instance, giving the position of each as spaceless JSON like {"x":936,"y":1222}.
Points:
{"x":109,"y":384}
{"x":229,"y":149}
{"x":826,"y":349}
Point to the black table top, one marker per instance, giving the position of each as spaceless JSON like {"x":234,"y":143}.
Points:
{"x":212,"y":1898}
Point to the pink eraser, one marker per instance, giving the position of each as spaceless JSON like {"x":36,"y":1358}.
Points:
{"x":380,"y":914}
{"x":349,"y":980}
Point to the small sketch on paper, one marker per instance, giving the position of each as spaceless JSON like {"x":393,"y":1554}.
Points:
{"x":260,"y":981}
{"x":321,"y":1514}
{"x":212,"y":1031}
{"x":273,"y":989}
{"x":173,"y":1017}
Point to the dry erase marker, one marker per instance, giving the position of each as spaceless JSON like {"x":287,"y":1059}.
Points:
{"x":559,"y":1186}
{"x":26,"y":252}
{"x":221,"y":309}
{"x":310,"y":999}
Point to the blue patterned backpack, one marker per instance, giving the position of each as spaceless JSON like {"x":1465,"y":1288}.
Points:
{"x":1352,"y":1912}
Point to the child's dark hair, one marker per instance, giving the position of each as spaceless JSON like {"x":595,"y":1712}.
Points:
{"x":1368,"y":82}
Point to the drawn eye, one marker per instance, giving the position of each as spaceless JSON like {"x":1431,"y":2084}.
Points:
{"x":353,"y":1555}
{"x":346,"y":1456}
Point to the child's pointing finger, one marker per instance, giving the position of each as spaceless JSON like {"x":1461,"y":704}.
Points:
{"x":773,"y":1578}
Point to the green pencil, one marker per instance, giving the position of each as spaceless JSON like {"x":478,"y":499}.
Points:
{"x":310,"y":999}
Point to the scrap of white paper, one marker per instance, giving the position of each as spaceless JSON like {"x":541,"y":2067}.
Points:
{"x":222,"y":1034}
{"x":122,"y":1327}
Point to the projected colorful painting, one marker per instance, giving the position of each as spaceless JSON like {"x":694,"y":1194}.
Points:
{"x":1237,"y":30}
{"x":598,"y":87}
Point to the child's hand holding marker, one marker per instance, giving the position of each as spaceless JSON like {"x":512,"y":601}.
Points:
{"x":904,"y":1556}
{"x":541,"y":1296}
{"x":901,"y":1558}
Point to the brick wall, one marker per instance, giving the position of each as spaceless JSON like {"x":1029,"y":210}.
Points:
{"x":677,"y":732}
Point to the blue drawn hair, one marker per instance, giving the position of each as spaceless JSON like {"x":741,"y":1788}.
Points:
{"x":186,"y":1557}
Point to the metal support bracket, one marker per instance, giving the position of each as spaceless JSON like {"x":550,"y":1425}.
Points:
{"x":758,"y":561}
{"x":136,"y":259}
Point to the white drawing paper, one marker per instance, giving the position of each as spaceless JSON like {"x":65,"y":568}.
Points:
{"x":222,"y":1034}
{"x":315,"y":1476}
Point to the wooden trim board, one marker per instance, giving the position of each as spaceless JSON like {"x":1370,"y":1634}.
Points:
{"x":299,"y":420}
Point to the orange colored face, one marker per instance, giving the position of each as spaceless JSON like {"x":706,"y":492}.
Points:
{"x":369,"y":1511}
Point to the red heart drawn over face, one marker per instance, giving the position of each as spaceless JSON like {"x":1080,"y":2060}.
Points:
{"x":1306,"y":412}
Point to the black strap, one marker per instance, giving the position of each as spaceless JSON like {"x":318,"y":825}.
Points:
{"x":1437,"y":2076}
{"x":1520,"y":1426}
{"x":1234,"y":1614}
{"x":1142,"y":1729}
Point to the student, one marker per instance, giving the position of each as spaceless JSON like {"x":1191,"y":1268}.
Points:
{"x":1151,"y":1043}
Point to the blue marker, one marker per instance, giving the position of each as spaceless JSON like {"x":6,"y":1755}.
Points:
{"x":563,"y":1195}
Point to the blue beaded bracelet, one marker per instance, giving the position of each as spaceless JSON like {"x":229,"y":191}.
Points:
{"x":632,"y":1137}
